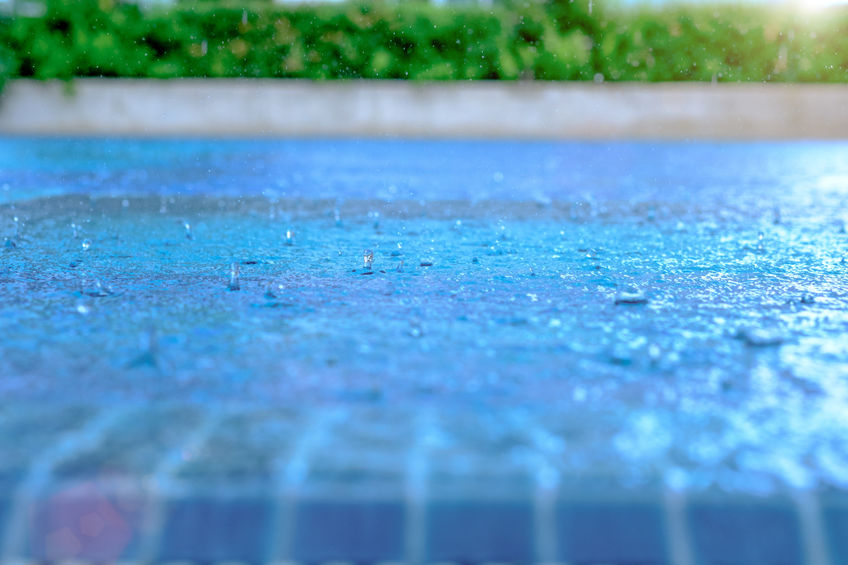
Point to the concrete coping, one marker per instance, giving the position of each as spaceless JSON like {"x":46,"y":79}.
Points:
{"x":518,"y":110}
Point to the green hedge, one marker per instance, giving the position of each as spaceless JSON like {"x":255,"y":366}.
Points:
{"x":547,"y":40}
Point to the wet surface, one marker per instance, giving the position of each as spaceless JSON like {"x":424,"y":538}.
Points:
{"x":667,"y":316}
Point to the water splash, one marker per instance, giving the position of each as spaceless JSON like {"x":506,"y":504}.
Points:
{"x":234,"y":277}
{"x":86,"y":244}
{"x":149,"y":346}
{"x":367,"y":259}
{"x":289,"y":240}
{"x":96,"y":289}
{"x":274,"y":290}
{"x":187,"y":227}
{"x":631,"y":295}
{"x":761,"y":247}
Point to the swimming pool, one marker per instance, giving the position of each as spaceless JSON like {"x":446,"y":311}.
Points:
{"x":626,"y":352}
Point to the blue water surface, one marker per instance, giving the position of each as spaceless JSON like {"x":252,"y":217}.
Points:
{"x":671,"y":310}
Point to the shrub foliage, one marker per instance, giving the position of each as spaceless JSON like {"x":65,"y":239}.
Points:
{"x":530,"y":39}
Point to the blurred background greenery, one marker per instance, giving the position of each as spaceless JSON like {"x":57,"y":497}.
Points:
{"x":508,"y":40}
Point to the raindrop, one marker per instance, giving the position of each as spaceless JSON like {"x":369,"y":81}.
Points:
{"x":86,"y":244}
{"x":289,"y":237}
{"x":368,"y":259}
{"x":416,"y":329}
{"x":761,"y":248}
{"x":273,"y":290}
{"x":17,"y":227}
{"x":376,"y":216}
{"x":234,"y":277}
{"x":631,"y":295}
{"x":83,"y":309}
{"x":76,"y":229}
{"x":188,"y":233}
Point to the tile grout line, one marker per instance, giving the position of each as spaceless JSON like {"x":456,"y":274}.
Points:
{"x":678,"y":534}
{"x":417,"y":471}
{"x":290,"y":475}
{"x":40,"y":474}
{"x":546,"y":479}
{"x":812,"y":531}
{"x":163,"y":484}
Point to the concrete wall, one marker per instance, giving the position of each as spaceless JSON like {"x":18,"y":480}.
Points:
{"x":378,"y":108}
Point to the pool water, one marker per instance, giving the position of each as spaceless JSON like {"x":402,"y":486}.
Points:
{"x":540,"y":321}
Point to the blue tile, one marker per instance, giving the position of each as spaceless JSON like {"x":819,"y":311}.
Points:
{"x":835,"y":516}
{"x":611,"y":532}
{"x":206,"y":529}
{"x":757,"y":532}
{"x":480,"y":531}
{"x":362,"y":531}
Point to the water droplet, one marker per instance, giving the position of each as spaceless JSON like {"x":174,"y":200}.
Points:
{"x":338,"y":217}
{"x":187,"y":227}
{"x":234,"y":277}
{"x":76,"y":229}
{"x":86,"y":244}
{"x":368,"y":259}
{"x":376,"y":216}
{"x":416,"y":329}
{"x":579,"y":394}
{"x":9,"y":243}
{"x":83,"y":309}
{"x":631,"y":295}
{"x":761,"y":248}
{"x":289,"y":237}
{"x":125,"y":203}
{"x":274,"y":290}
